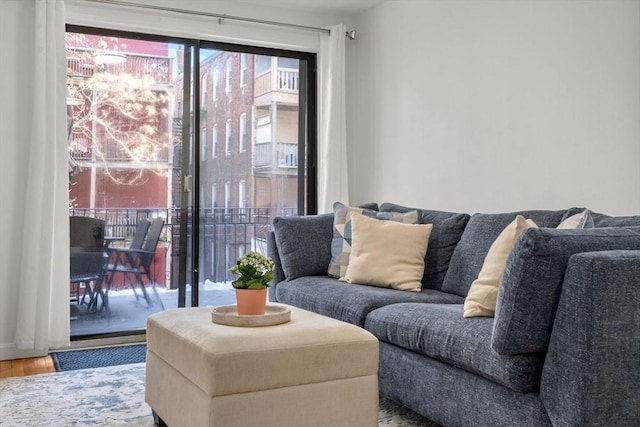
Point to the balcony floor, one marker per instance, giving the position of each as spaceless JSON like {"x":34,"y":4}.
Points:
{"x":127,"y":314}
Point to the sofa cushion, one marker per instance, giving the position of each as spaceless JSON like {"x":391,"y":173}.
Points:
{"x":387,"y":253}
{"x":481,"y":299}
{"x":304,"y":244}
{"x":530,"y":289}
{"x":476,"y":240}
{"x":440,"y":332}
{"x":349,"y":303}
{"x":601,"y":220}
{"x":582,"y":219}
{"x":341,"y":242}
{"x":373,"y":206}
{"x":445,"y":235}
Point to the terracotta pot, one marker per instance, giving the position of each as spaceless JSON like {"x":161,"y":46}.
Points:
{"x":251,"y":301}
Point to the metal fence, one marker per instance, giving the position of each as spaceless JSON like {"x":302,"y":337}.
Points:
{"x":224,"y":233}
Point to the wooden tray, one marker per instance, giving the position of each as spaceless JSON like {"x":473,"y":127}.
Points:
{"x":228,"y":315}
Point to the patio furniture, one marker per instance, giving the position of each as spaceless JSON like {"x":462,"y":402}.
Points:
{"x":86,"y":231}
{"x":86,"y":268}
{"x":310,"y":371}
{"x":135,"y":262}
{"x":86,"y":261}
{"x":118,"y":255}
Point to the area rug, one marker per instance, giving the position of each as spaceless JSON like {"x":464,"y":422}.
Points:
{"x":99,"y":357}
{"x":110,"y":396}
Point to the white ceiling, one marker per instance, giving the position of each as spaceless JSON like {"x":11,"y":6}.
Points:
{"x":328,"y":7}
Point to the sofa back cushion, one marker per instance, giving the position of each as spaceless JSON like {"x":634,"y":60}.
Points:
{"x":601,"y":220}
{"x":478,"y":236}
{"x":445,"y":235}
{"x":304,"y":244}
{"x":530,"y":288}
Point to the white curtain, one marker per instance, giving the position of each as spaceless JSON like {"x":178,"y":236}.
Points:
{"x":35,"y":282}
{"x":333,"y":182}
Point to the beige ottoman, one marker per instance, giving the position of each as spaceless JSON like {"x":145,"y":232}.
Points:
{"x":311,"y":371}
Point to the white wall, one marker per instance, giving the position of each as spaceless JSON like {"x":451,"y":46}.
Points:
{"x":493,"y":105}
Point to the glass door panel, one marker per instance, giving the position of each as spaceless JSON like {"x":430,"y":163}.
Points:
{"x":248,"y":159}
{"x":124,"y":147}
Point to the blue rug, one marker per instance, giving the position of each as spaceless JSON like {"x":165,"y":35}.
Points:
{"x":99,"y":357}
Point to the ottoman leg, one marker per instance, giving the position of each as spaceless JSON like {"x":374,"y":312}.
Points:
{"x":157,"y":420}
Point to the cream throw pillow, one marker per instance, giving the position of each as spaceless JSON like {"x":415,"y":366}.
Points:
{"x":387,"y":253}
{"x":578,"y":220}
{"x":482,"y":297}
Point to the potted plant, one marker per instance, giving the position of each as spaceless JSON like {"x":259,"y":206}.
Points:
{"x":255,"y":272}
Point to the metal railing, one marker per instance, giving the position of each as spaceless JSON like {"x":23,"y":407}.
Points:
{"x":156,"y":68}
{"x":122,"y":222}
{"x":225,"y":234}
{"x":285,"y":155}
{"x":282,"y":80}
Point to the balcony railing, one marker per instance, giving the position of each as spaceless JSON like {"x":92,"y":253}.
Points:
{"x":285,"y":156}
{"x":283,"y":80}
{"x":224,"y":234}
{"x":118,"y":150}
{"x":157,"y":68}
{"x":121,"y":222}
{"x":76,"y":67}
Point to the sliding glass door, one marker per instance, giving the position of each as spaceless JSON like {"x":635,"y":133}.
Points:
{"x":213,"y":139}
{"x":251,"y":158}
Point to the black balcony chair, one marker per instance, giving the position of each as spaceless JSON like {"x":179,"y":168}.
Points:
{"x":86,"y":231}
{"x":86,"y":258}
{"x":136,"y":263}
{"x":117,"y":257}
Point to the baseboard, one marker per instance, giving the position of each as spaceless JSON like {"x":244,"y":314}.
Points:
{"x":11,"y":353}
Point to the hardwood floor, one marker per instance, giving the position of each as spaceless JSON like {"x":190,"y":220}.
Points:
{"x":24,"y":367}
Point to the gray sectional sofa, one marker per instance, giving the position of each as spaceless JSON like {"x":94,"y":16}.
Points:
{"x":563,"y":348}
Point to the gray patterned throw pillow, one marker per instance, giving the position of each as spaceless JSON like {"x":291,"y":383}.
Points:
{"x":341,"y":243}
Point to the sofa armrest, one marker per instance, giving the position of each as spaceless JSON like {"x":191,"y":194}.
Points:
{"x":278,"y":273}
{"x":591,"y":374}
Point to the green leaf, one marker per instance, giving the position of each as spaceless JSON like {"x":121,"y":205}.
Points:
{"x":255,"y":284}
{"x":268,"y":276}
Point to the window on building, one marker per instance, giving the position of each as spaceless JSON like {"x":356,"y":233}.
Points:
{"x":243,"y":133}
{"x":227,"y":196}
{"x":227,"y":143}
{"x":229,"y":72}
{"x":203,"y":145}
{"x":214,"y":141}
{"x":216,"y":80}
{"x":242,"y":194}
{"x":204,"y":101}
{"x":243,"y":69}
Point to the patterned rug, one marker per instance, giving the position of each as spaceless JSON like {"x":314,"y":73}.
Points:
{"x":110,"y":396}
